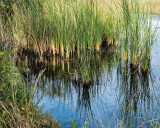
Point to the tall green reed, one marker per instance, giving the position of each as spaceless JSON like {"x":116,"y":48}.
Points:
{"x":126,"y":23}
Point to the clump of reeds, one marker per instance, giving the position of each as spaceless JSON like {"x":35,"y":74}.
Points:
{"x":149,"y":36}
{"x":63,"y":28}
{"x":137,"y":41}
{"x":58,"y":27}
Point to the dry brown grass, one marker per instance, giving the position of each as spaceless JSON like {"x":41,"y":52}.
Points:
{"x":144,"y":4}
{"x":154,"y":4}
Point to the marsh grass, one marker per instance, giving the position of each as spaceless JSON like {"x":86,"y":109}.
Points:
{"x":61,"y":27}
{"x":66,"y":28}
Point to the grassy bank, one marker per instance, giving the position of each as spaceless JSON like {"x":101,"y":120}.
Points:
{"x":16,"y":107}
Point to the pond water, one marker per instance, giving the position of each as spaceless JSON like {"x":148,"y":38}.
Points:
{"x":114,"y":95}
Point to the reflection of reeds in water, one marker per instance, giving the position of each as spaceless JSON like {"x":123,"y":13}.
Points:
{"x":82,"y":70}
{"x":58,"y":81}
{"x":135,"y":94}
{"x":84,"y":101}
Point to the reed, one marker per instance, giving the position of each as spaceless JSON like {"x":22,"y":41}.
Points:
{"x":135,"y":32}
{"x":126,"y":22}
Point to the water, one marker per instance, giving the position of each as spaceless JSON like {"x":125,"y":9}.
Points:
{"x":100,"y":89}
